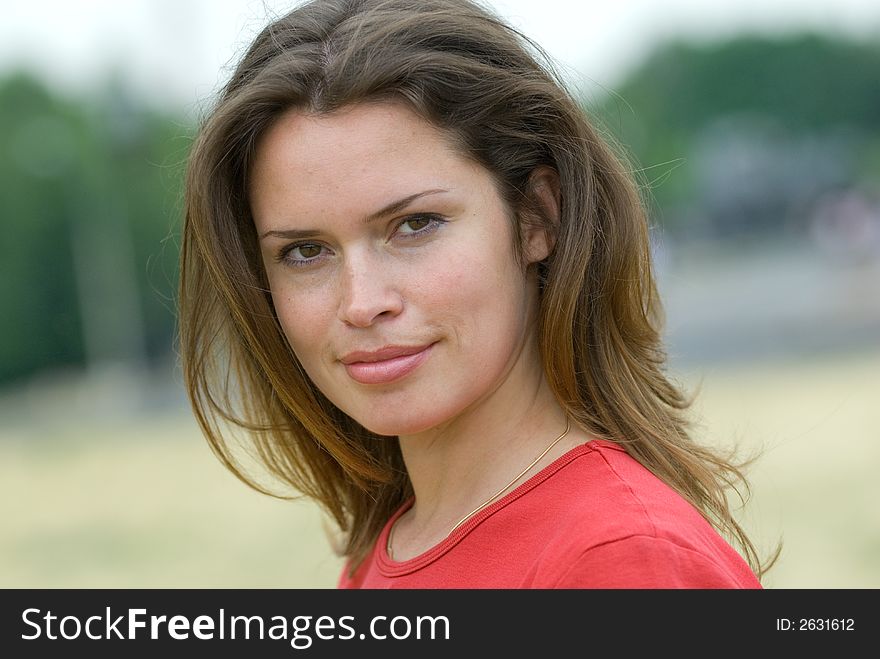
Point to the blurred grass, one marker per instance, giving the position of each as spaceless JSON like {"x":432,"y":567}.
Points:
{"x":142,"y":503}
{"x":147,"y":505}
{"x":815,"y":484}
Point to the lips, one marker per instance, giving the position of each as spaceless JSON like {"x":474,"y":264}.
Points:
{"x":386,"y":365}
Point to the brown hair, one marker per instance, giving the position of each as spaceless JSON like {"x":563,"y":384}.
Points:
{"x":461,"y":68}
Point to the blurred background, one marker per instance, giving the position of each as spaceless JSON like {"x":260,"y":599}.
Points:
{"x":754,"y":128}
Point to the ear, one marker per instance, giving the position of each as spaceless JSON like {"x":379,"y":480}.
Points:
{"x":542,"y":221}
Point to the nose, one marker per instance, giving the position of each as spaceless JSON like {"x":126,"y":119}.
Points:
{"x":369,"y":291}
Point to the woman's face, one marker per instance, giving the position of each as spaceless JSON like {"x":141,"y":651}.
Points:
{"x":390,"y":259}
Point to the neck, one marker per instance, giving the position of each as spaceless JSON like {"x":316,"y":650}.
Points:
{"x":456,"y":468}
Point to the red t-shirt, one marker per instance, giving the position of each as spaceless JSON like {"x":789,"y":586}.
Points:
{"x":594,"y":518}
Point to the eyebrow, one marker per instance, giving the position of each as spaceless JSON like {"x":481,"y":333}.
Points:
{"x":393,"y":207}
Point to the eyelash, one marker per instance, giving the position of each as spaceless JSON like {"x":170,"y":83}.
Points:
{"x":434,"y":223}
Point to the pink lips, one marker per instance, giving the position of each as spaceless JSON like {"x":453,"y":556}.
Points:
{"x":385,"y":365}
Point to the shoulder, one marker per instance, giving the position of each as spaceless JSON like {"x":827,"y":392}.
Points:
{"x":616,"y":524}
{"x":603,"y":490}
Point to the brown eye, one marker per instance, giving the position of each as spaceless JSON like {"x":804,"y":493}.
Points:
{"x":302,"y":254}
{"x":307,"y":251}
{"x":417,"y":223}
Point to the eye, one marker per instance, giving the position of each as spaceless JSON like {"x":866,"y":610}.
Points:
{"x":300,"y":254}
{"x":418,"y":225}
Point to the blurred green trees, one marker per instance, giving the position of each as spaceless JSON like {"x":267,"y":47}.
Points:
{"x":89,"y":195}
{"x":743,"y":136}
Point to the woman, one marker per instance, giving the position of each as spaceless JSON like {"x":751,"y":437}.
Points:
{"x":420,"y":282}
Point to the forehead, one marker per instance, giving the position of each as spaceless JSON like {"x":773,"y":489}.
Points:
{"x":315,"y":171}
{"x":370,"y":146}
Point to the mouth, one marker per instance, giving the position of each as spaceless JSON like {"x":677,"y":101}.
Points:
{"x":387,"y":365}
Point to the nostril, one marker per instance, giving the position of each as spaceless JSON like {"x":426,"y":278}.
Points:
{"x":364,"y":310}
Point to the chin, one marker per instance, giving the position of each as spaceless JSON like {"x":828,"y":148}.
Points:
{"x":393,"y":425}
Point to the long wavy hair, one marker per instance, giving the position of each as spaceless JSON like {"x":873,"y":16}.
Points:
{"x":497,"y":95}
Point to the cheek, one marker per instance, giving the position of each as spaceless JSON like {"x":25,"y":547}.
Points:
{"x":482,"y":298}
{"x":305,"y":319}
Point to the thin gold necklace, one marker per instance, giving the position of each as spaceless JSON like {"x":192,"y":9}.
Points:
{"x":494,"y":496}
